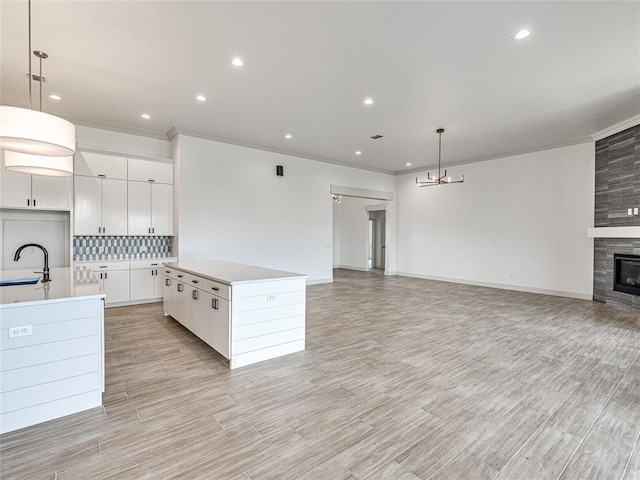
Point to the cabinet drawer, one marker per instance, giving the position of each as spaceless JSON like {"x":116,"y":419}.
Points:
{"x":217,"y":288}
{"x":107,"y":266}
{"x":147,"y":264}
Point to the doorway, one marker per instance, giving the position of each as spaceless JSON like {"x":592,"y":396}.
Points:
{"x":377,"y":237}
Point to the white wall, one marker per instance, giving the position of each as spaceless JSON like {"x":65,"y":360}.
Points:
{"x":233,"y":207}
{"x":352,"y":223}
{"x":523,"y":217}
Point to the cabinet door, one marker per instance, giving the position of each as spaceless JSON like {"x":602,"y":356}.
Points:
{"x":97,"y":164}
{"x":158,"y":282}
{"x":142,"y":284}
{"x":51,"y":192}
{"x":213,"y":323}
{"x":162,"y":209}
{"x":139,"y":208}
{"x":114,"y":207}
{"x":87,"y":206}
{"x":168,"y":296}
{"x":15,"y":189}
{"x":145,"y":170}
{"x":116,"y":286}
{"x":181,"y":293}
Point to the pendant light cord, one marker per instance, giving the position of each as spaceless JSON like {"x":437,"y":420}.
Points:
{"x":30,"y":103}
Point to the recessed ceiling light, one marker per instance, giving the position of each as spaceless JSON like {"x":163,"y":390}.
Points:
{"x":524,"y":33}
{"x":53,"y":96}
{"x":408,"y":164}
{"x":368,"y":101}
{"x":237,"y":62}
{"x":288,"y":135}
{"x":146,"y":116}
{"x":358,"y":152}
{"x":201,"y":98}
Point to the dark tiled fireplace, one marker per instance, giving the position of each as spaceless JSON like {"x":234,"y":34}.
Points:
{"x":617,"y":191}
{"x":626,"y":273}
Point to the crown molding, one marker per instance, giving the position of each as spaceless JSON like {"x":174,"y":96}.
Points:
{"x":617,"y":128}
{"x":568,"y":143}
{"x":113,"y":127}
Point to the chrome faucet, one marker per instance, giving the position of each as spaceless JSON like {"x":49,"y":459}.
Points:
{"x":45,"y":271}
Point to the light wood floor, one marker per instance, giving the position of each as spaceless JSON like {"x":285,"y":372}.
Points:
{"x":402,"y":379}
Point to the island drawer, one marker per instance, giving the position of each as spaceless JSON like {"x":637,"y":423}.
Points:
{"x":219,"y":289}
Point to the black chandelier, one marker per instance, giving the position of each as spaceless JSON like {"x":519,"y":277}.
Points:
{"x":440,"y":179}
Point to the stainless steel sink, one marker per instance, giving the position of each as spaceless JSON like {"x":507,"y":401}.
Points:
{"x":7,"y":282}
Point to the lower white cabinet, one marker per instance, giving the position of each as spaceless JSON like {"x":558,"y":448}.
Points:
{"x":247,"y":314}
{"x":114,"y":279}
{"x":207,"y":315}
{"x":212,"y":322}
{"x":146,"y":280}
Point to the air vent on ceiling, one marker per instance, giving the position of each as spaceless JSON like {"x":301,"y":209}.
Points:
{"x":376,"y":137}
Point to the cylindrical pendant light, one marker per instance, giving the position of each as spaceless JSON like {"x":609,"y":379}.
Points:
{"x":37,"y":133}
{"x":38,"y":165}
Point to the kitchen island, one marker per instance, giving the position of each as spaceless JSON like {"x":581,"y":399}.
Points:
{"x":51,"y":346}
{"x":247,"y":314}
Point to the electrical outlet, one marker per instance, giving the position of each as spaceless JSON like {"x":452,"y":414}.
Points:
{"x":635,"y":210}
{"x":22,"y":331}
{"x":32,"y":250}
{"x":629,"y":211}
{"x":271,"y":297}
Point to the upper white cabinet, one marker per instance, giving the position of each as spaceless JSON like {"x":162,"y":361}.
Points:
{"x":147,"y":171}
{"x":150,"y":193}
{"x":19,"y":190}
{"x":99,"y":165}
{"x":100,"y":206}
{"x":120,"y":196}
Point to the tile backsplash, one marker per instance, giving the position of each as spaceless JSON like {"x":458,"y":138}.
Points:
{"x":86,"y":248}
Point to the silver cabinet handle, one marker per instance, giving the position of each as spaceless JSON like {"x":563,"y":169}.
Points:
{"x":34,"y":202}
{"x":180,"y":287}
{"x":215,"y":288}
{"x":28,"y":202}
{"x":194,"y":281}
{"x":167,"y":282}
{"x":214,"y":303}
{"x":194,"y":294}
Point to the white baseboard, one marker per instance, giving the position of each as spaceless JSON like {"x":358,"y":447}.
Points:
{"x":501,"y":286}
{"x":349,"y":267}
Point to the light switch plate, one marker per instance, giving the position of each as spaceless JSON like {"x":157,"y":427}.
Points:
{"x":635,"y":210}
{"x":629,"y":211}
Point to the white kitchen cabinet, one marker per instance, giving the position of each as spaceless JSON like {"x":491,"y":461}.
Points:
{"x":247,"y":314}
{"x":213,"y":322}
{"x":147,"y":279}
{"x":145,"y":171}
{"x":100,"y":206}
{"x":150,"y":209}
{"x":170,"y":296}
{"x":19,"y":190}
{"x":114,"y":279}
{"x":89,"y":164}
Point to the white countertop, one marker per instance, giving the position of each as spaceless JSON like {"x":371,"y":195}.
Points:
{"x":66,"y":283}
{"x":231,"y":273}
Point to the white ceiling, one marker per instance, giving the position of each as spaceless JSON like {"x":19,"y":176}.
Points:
{"x":309,"y":66}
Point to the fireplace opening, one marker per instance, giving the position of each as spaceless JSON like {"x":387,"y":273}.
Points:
{"x":626,"y":273}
